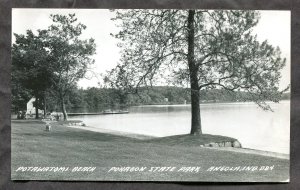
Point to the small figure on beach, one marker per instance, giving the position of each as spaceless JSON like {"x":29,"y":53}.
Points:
{"x":21,"y":115}
{"x":48,"y":127}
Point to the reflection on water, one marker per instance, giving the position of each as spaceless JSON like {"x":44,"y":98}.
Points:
{"x":252,"y":126}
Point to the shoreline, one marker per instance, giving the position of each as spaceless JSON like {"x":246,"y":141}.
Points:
{"x":113,"y":132}
{"x":146,"y":137}
{"x":253,"y":151}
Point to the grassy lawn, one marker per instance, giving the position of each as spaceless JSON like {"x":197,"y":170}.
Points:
{"x":69,"y":147}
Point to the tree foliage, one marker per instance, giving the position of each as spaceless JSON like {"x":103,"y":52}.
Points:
{"x":154,"y":46}
{"x":57,"y":54}
{"x":69,"y":55}
{"x":203,"y":49}
{"x":30,"y":74}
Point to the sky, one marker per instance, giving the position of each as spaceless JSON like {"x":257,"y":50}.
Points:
{"x":274,"y":26}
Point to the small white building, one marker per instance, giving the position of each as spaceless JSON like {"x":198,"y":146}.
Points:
{"x":31,"y":109}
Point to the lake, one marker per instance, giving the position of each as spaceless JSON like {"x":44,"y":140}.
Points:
{"x":252,"y":126}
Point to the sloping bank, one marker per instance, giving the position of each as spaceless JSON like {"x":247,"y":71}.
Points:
{"x":33,"y":145}
{"x":218,"y":142}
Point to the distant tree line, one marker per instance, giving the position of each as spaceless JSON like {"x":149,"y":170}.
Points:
{"x":99,"y":99}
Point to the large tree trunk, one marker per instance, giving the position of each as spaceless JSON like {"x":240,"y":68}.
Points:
{"x":63,"y":107}
{"x":45,"y":108}
{"x":195,"y":96}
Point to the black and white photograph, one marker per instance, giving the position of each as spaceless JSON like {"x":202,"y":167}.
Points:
{"x":184,"y":95}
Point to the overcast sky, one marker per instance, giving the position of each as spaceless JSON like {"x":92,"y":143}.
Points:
{"x":273,"y":26}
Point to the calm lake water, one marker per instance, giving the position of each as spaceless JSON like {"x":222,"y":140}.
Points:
{"x":253,"y":127}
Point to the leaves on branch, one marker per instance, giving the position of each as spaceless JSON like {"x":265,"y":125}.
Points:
{"x":155,"y":47}
{"x":55,"y":58}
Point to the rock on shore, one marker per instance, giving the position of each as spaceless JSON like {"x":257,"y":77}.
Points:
{"x":235,"y":144}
